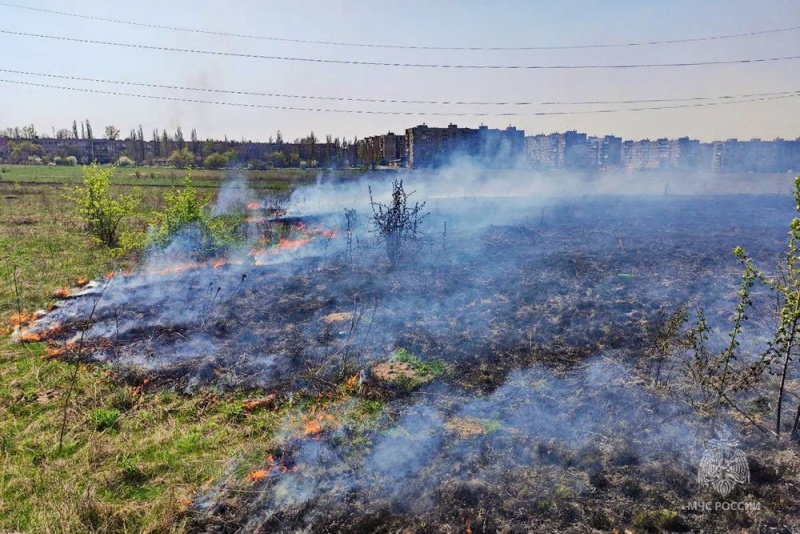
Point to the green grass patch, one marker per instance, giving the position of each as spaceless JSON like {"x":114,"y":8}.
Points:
{"x":162,"y":448}
{"x":276,"y":180}
{"x":658,"y":521}
{"x":428,"y":369}
{"x":105,"y":418}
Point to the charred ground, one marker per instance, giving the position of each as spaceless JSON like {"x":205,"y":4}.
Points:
{"x":527,"y":405}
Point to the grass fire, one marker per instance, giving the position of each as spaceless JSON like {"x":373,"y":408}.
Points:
{"x":392,"y":356}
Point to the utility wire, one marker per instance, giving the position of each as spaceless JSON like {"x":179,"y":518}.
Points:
{"x":405,"y":113}
{"x":403,"y":47}
{"x":404,"y":65}
{"x":387,"y":100}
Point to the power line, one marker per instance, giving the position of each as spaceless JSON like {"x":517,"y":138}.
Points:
{"x":393,"y":101}
{"x":404,"y":47}
{"x":405,"y":65}
{"x":404,"y":113}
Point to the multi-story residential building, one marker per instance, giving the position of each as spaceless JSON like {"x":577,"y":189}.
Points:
{"x":755,"y":155}
{"x":431,"y":147}
{"x":544,"y":151}
{"x":788,"y":155}
{"x":576,"y":150}
{"x":647,"y":154}
{"x":386,"y":149}
{"x":573,"y":150}
{"x":604,"y":153}
{"x":684,"y":153}
{"x":392,"y":148}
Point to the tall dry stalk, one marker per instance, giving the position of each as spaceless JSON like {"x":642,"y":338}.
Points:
{"x":76,"y":365}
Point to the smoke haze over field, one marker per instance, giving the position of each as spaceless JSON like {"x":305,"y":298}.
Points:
{"x":532,"y":302}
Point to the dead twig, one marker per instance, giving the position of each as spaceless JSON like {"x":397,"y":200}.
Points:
{"x":74,"y":376}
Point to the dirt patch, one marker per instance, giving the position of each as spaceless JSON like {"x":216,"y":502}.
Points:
{"x":465,"y":428}
{"x":337,"y":317}
{"x":393,"y":371}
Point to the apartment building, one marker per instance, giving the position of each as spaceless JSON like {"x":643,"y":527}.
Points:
{"x":428,"y":147}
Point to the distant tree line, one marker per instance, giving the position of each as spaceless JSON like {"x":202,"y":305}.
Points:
{"x":24,"y":145}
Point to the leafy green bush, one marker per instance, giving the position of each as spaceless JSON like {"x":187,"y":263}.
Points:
{"x":277,"y":159}
{"x":215,"y":161}
{"x":101,"y":212}
{"x":124,"y":161}
{"x":23,"y":151}
{"x":185,"y":207}
{"x":181,"y":158}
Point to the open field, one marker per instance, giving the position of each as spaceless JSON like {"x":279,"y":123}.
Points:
{"x":276,"y":179}
{"x":139,"y":473}
{"x":509,"y":379}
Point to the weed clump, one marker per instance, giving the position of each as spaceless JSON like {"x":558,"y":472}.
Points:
{"x":105,"y":418}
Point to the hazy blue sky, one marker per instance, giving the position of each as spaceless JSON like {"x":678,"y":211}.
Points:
{"x":432,"y":23}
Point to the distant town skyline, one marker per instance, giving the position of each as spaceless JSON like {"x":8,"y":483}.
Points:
{"x":419,"y":147}
{"x":346,"y":81}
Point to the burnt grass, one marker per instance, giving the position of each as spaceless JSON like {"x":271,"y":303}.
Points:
{"x":544,"y":419}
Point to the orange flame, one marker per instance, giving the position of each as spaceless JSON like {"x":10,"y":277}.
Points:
{"x":352,"y":381}
{"x":255,"y":404}
{"x":254,"y":205}
{"x":190,"y":266}
{"x":258,"y":474}
{"x":314,"y":426}
{"x":21,"y":319}
{"x":31,"y":337}
{"x":81,"y":281}
{"x":289,"y":244}
{"x":28,"y":337}
{"x":61,"y":293}
{"x":55,"y":352}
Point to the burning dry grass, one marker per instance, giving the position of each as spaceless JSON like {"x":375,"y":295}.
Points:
{"x":521,"y":470}
{"x":266,"y":402}
{"x":477,"y":448}
{"x":142,"y":476}
{"x":281,"y":238}
{"x":41,"y":334}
